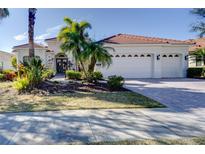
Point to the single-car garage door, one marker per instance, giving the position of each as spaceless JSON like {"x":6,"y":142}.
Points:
{"x":171,"y":66}
{"x":131,"y":66}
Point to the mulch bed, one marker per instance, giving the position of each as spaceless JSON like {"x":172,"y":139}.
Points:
{"x":52,"y":87}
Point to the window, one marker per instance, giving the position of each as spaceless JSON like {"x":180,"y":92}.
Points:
{"x":117,"y":56}
{"x":148,"y":55}
{"x":176,"y":56}
{"x":199,"y":61}
{"x":170,"y":56}
{"x":123,"y":56}
{"x":164,"y":56}
{"x":111,"y":55}
{"x":141,"y":55}
{"x":26,"y":58}
{"x":135,"y":55}
{"x":129,"y":55}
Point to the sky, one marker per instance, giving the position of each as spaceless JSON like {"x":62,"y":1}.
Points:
{"x":165,"y":23}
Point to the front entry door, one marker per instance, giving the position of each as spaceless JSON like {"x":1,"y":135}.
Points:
{"x":61,"y":65}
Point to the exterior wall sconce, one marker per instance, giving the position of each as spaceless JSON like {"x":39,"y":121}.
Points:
{"x":186,"y":57}
{"x":158,"y":57}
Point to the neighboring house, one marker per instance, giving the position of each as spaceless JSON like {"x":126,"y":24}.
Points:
{"x":196,"y":61}
{"x":5,"y":60}
{"x":134,"y":56}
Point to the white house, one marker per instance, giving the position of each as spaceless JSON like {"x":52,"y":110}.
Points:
{"x":134,"y":56}
{"x":5,"y":60}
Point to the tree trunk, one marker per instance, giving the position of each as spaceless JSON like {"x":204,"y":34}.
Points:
{"x":31,"y":20}
{"x":91,"y":67}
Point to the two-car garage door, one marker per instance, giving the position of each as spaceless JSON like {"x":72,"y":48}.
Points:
{"x":131,"y":66}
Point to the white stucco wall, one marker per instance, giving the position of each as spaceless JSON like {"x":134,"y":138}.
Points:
{"x":46,"y":57}
{"x":155,"y":50}
{"x":5,"y":59}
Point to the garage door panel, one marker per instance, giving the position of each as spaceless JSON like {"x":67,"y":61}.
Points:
{"x":131,"y":67}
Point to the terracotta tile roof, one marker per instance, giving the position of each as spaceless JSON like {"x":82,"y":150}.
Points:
{"x":197,"y":44}
{"x":136,"y":39}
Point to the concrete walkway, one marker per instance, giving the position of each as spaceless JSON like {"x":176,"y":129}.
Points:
{"x":87,"y":126}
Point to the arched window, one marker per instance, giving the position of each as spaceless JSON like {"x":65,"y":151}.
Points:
{"x":129,"y":55}
{"x":135,"y":55}
{"x":148,"y":55}
{"x":111,"y":55}
{"x":176,"y":56}
{"x":164,"y":56}
{"x":170,"y":56}
{"x":141,"y":55}
{"x":117,"y":56}
{"x":123,"y":56}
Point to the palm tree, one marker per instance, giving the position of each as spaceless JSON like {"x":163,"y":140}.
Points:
{"x":31,"y":21}
{"x":96,"y":52}
{"x":4,"y":13}
{"x":73,"y":38}
{"x":200,"y":25}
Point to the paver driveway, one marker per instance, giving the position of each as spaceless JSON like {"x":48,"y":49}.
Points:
{"x":177,"y":94}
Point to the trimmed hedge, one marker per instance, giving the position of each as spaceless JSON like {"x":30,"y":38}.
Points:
{"x":196,"y":72}
{"x":115,"y":82}
{"x":74,"y":75}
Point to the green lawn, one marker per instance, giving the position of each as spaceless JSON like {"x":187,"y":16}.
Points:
{"x":10,"y":101}
{"x":183,"y":141}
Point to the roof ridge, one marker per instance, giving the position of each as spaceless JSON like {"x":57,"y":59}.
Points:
{"x":152,"y":37}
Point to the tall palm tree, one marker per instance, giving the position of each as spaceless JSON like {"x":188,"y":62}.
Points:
{"x":31,"y":21}
{"x":73,"y":38}
{"x":4,"y":13}
{"x":96,"y":52}
{"x":200,"y":25}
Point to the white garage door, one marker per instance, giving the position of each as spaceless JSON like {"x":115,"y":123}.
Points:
{"x":171,"y":65}
{"x":131,"y":66}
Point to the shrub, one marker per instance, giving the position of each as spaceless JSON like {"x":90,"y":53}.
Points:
{"x":1,"y":76}
{"x":10,"y":76}
{"x":47,"y":74}
{"x":21,"y":84}
{"x":196,"y":72}
{"x":115,"y":82}
{"x":95,"y":76}
{"x":75,"y":75}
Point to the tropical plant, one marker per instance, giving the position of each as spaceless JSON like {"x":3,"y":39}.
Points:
{"x":14,"y":62}
{"x":94,"y":76}
{"x":47,"y":74}
{"x":73,"y":38}
{"x":1,"y":77}
{"x":199,"y":52}
{"x":200,"y":25}
{"x":96,"y":52}
{"x":33,"y":71}
{"x":31,"y":21}
{"x":4,"y":13}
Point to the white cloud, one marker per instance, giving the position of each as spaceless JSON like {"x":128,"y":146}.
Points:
{"x":49,"y":31}
{"x":54,"y":29}
{"x":21,"y":37}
